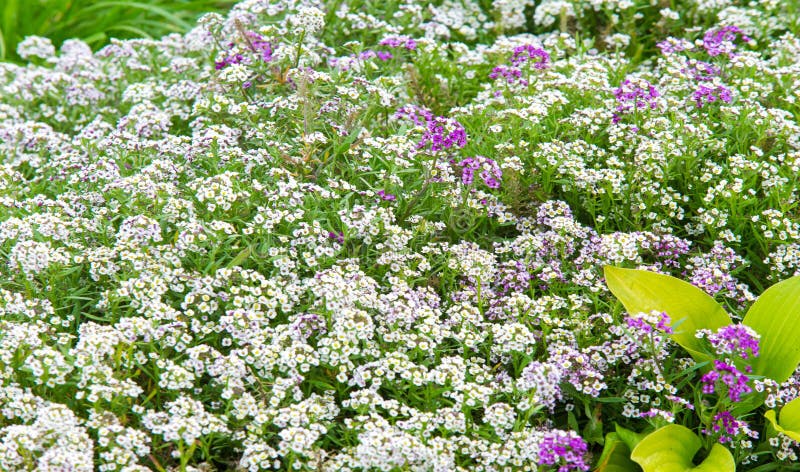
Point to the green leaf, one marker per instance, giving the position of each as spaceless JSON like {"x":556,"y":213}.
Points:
{"x":671,"y":449}
{"x":616,"y":456}
{"x":688,"y":307}
{"x":789,"y":423}
{"x":630,"y":438}
{"x":776,"y":317}
{"x":243,"y":255}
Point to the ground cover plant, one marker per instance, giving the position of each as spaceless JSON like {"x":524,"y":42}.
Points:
{"x":558,"y":235}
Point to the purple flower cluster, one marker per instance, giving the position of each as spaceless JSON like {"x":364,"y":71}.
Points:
{"x":386,"y":196}
{"x":491,"y":174}
{"x":727,"y":426}
{"x":522,"y":54}
{"x":527,"y":52}
{"x":704,"y":95}
{"x":565,"y":449}
{"x":255,"y":42}
{"x":511,"y":74}
{"x":721,"y":40}
{"x":232,"y":58}
{"x":640,"y":323}
{"x":668,"y":249}
{"x":418,"y":115}
{"x":702,"y":71}
{"x":544,"y":379}
{"x":673,"y":45}
{"x":736,"y":339}
{"x":441,"y":133}
{"x":730,"y":376}
{"x":634,"y":94}
{"x":338,"y":237}
{"x":260,"y":46}
{"x":371,"y":53}
{"x":403,"y":41}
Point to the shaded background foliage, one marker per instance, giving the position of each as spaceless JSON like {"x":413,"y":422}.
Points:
{"x":95,"y":22}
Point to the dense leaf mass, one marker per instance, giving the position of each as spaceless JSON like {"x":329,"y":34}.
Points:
{"x":355,"y":235}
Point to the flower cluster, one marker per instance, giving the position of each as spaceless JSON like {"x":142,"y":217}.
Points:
{"x":529,"y":53}
{"x":307,"y":236}
{"x":728,"y":429}
{"x":650,"y":323}
{"x":728,"y":376}
{"x":564,"y":449}
{"x":721,"y":40}
{"x":704,"y":95}
{"x":736,"y":340}
{"x":490,"y":172}
{"x":633,"y":95}
{"x":440,"y":132}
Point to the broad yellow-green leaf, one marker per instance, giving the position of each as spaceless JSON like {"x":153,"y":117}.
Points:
{"x":776,"y":317}
{"x":671,"y":449}
{"x":789,"y":423}
{"x":630,"y":438}
{"x":688,"y":307}
{"x":616,"y":456}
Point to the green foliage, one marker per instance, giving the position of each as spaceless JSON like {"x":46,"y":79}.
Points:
{"x":616,"y":456}
{"x":776,"y":317}
{"x":689,"y":307}
{"x":672,"y":449}
{"x":94,"y":21}
{"x":789,"y":421}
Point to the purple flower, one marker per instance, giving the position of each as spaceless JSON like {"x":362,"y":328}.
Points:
{"x":673,"y":45}
{"x":634,"y":94}
{"x":511,"y":74}
{"x":544,"y":379}
{"x":725,"y":423}
{"x":704,"y":95}
{"x":399,"y":41}
{"x":735,"y":339}
{"x":228,"y":60}
{"x":649,"y":325}
{"x":443,"y":133}
{"x":527,"y":53}
{"x":491,"y":174}
{"x":369,"y":54}
{"x":730,"y":376}
{"x":386,"y":196}
{"x":721,"y":40}
{"x":260,"y":46}
{"x":702,"y":71}
{"x":418,"y":115}
{"x":565,"y":449}
{"x":255,"y":42}
{"x":338,"y":237}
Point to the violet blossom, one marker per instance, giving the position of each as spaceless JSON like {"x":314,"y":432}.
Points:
{"x":386,"y":196}
{"x":403,"y":41}
{"x":441,"y":133}
{"x":564,"y":449}
{"x":634,"y":94}
{"x":721,"y":40}
{"x":527,"y":52}
{"x":736,"y":339}
{"x":704,"y":95}
{"x":734,"y":379}
{"x":491,"y":174}
{"x":511,"y":74}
